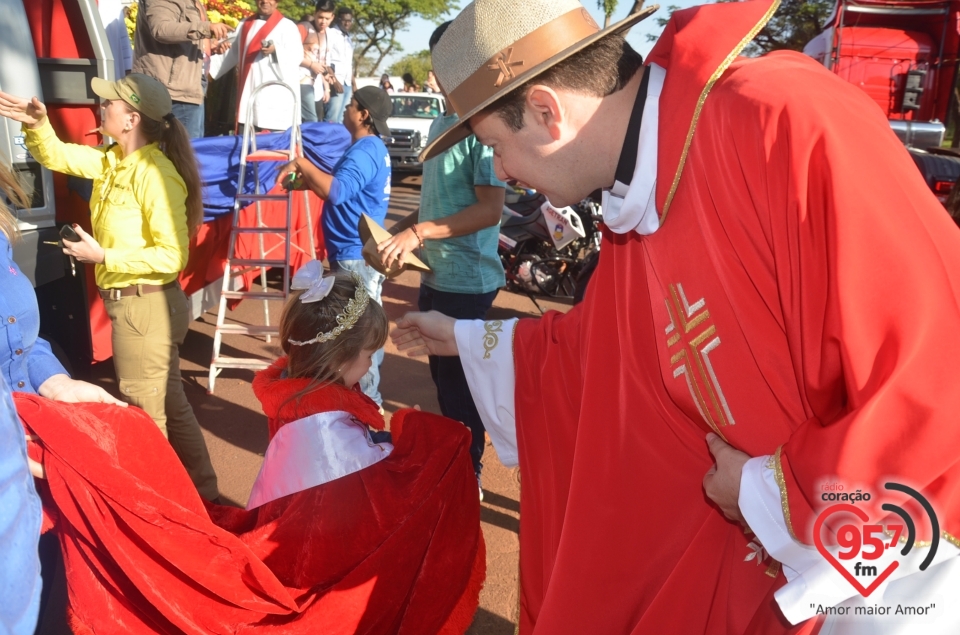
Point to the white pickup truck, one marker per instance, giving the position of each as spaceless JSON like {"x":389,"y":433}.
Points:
{"x":413,"y":113}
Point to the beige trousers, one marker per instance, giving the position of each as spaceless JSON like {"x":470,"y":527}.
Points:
{"x":147,"y":332}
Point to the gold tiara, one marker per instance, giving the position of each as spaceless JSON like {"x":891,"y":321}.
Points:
{"x":347,"y":318}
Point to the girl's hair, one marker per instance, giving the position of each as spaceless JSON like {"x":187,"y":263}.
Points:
{"x":322,"y":362}
{"x":12,"y":191}
{"x":175,"y":143}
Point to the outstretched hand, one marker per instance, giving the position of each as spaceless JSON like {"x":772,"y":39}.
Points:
{"x":420,"y":334}
{"x":27,"y":111}
{"x":62,"y":388}
{"x":722,"y":481}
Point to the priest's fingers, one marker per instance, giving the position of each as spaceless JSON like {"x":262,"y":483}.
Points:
{"x":722,"y":481}
{"x":399,"y":334}
{"x":436,"y":330}
{"x":716,"y":444}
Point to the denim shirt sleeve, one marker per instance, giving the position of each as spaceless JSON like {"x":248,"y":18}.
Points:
{"x":42,"y":364}
{"x":20,"y":519}
{"x":26,"y":361}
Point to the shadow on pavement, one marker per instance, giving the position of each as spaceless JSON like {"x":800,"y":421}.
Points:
{"x":492,"y":498}
{"x":499,"y":519}
{"x":487,"y":623}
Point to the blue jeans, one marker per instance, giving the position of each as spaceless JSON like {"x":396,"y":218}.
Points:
{"x":191,"y":116}
{"x":337,"y":104}
{"x":373,"y":281}
{"x":308,"y":104}
{"x":453,"y":393}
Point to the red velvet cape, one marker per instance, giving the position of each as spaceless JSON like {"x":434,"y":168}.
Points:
{"x":801,"y":293}
{"x":394,"y":548}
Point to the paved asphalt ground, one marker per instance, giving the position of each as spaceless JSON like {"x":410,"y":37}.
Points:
{"x":236,"y":432}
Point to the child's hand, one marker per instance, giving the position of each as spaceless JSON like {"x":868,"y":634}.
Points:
{"x":422,"y":334}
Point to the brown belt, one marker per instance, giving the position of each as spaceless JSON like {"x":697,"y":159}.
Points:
{"x":136,"y":289}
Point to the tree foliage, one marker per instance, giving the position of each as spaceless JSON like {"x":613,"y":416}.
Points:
{"x":379,"y":21}
{"x":296,"y":10}
{"x":417,"y":64}
{"x":608,"y":7}
{"x":794,"y":24}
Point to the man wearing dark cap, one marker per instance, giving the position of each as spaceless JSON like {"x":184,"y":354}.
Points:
{"x":359,"y":184}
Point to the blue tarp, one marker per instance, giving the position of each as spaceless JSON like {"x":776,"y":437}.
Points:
{"x":219,"y":160}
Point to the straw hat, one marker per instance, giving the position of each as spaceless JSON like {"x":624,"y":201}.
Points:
{"x":372,"y":234}
{"x":494,"y":46}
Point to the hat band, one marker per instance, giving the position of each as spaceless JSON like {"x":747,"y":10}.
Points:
{"x":510,"y":67}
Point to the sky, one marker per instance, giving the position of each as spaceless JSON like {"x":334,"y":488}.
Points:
{"x":415,"y":37}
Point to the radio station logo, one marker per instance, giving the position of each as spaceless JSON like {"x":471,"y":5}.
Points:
{"x":863,"y":548}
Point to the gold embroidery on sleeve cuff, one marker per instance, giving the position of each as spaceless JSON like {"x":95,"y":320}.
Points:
{"x":784,"y":504}
{"x":490,"y":338}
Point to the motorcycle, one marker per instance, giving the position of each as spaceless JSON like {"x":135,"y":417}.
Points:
{"x":544,"y":249}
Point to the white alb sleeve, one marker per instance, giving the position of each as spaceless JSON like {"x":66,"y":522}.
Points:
{"x":814,"y":583}
{"x":486,"y":352}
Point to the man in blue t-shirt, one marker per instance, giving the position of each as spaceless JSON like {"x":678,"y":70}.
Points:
{"x":359,"y":184}
{"x":461,"y":201}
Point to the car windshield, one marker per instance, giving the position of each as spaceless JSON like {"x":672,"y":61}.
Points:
{"x":416,"y":107}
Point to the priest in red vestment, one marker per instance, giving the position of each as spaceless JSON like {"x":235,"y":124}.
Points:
{"x":776,"y":309}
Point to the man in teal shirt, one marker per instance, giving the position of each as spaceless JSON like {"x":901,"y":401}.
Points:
{"x":461,"y":201}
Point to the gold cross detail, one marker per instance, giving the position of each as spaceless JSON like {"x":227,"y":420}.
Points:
{"x":692,"y":337}
{"x":503,"y":64}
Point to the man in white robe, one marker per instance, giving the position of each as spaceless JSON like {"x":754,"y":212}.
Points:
{"x":275,"y":107}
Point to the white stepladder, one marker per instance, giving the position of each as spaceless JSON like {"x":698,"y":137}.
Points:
{"x":236,"y":267}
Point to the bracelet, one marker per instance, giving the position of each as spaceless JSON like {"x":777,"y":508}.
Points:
{"x":417,"y":234}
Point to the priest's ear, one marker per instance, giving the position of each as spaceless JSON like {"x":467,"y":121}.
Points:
{"x":544,"y":110}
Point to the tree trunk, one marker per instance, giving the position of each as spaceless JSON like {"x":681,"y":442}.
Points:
{"x":637,"y":5}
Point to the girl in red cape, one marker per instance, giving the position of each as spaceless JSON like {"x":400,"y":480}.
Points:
{"x":347,"y":530}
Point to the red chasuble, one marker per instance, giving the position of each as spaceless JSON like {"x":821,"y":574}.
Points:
{"x":393,"y":548}
{"x":801,"y":294}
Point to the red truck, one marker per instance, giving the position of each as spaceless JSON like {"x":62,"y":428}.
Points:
{"x":904,"y":54}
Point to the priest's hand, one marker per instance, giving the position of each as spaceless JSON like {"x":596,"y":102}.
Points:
{"x":722,"y":482}
{"x":420,"y":334}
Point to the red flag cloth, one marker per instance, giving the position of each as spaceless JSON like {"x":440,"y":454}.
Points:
{"x":393,"y":548}
{"x":273,"y":214}
{"x":801,"y":293}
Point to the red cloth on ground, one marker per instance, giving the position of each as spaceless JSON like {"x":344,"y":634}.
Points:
{"x":394,"y":548}
{"x":801,"y":292}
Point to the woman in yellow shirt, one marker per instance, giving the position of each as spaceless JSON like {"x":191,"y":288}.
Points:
{"x":145,"y":207}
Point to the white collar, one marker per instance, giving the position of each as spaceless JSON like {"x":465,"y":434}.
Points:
{"x":312,"y":451}
{"x":634,"y":207}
